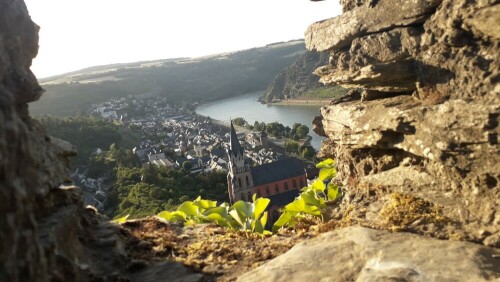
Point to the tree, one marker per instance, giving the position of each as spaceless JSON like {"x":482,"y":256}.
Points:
{"x":259,"y":126}
{"x":149,"y":174}
{"x":239,"y":121}
{"x":187,"y":165}
{"x":291,"y":146}
{"x":302,"y":131}
{"x":308,"y":152}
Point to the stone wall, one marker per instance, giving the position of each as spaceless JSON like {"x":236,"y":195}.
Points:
{"x":422,"y":116}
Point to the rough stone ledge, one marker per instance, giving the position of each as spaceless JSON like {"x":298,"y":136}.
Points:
{"x":339,"y":32}
{"x":362,"y":254}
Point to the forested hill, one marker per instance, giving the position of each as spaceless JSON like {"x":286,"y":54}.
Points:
{"x":298,"y":80}
{"x":183,"y":79}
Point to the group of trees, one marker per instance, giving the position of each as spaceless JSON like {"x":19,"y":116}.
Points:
{"x":87,"y":133}
{"x":148,"y":190}
{"x":276,"y":129}
{"x":135,"y":189}
{"x":305,"y":151}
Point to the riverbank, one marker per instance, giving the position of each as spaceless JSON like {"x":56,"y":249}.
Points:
{"x":247,"y":107}
{"x":312,"y":102}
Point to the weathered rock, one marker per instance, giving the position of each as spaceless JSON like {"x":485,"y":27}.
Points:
{"x":485,"y":22}
{"x":361,"y":254}
{"x":441,"y":143}
{"x":340,"y":31}
{"x":45,"y":232}
{"x":379,"y":62}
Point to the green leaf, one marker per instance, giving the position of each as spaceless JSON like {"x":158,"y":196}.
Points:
{"x":257,"y":226}
{"x":217,"y":218}
{"x":244,"y":208}
{"x":204,"y":204}
{"x":327,"y":173}
{"x":263,"y":219}
{"x":121,"y":219}
{"x":326,"y":163}
{"x":296,"y":206}
{"x":190,"y":222}
{"x":311,"y":199}
{"x":318,"y":185}
{"x":218,"y":210}
{"x":189,"y":208}
{"x":267,"y":233}
{"x":284,"y":219}
{"x":312,"y":210}
{"x":306,"y":188}
{"x":172,"y":216}
{"x":333,"y":192}
{"x":236,"y":216}
{"x":260,"y":206}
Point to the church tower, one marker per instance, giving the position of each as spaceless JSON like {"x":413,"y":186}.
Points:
{"x":239,"y":178}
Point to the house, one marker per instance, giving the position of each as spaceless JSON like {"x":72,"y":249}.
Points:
{"x":279,"y":181}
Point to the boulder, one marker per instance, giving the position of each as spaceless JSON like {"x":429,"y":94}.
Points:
{"x":362,"y":254}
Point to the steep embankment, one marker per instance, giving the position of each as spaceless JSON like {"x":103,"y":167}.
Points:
{"x":182,"y":80}
{"x":298,"y":80}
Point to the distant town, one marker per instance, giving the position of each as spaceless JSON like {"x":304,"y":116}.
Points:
{"x":176,"y":137}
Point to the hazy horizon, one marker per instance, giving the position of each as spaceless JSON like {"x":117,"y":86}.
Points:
{"x":80,"y":34}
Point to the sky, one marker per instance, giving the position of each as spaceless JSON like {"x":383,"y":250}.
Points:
{"x":76,"y":34}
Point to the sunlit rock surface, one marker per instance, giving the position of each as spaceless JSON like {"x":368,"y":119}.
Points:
{"x":362,"y":254}
{"x":422,"y":118}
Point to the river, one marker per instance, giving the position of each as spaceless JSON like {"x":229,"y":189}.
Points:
{"x":247,"y":107}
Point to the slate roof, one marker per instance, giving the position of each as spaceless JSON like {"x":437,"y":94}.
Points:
{"x":234,"y":143}
{"x":284,"y":198}
{"x":276,"y":171}
{"x":219,"y":153}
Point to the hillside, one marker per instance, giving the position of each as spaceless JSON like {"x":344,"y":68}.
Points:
{"x":298,"y":80}
{"x":182,"y":79}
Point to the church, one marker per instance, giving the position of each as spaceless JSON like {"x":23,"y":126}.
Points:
{"x":279,"y":181}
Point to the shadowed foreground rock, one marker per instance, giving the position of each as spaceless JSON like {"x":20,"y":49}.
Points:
{"x":362,"y":254}
{"x":45,"y":232}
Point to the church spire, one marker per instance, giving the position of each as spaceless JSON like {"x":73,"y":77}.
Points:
{"x":234,"y":143}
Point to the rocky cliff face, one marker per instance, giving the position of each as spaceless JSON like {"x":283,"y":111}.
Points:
{"x":422,"y":122}
{"x":298,"y":78}
{"x":45,"y":232}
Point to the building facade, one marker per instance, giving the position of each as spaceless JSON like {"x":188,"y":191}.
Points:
{"x":280,"y":181}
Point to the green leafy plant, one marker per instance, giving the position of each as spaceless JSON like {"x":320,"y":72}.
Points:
{"x":242,"y":215}
{"x":251,"y":216}
{"x":121,"y":220}
{"x":312,"y":199}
